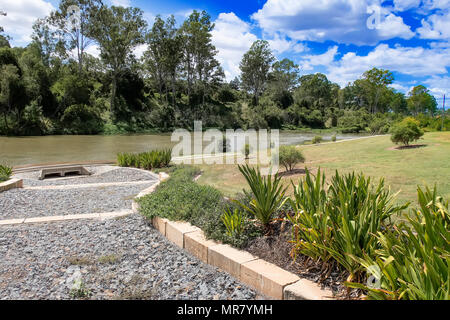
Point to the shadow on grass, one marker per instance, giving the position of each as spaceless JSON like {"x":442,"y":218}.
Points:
{"x":412,"y":146}
{"x":292,"y":172}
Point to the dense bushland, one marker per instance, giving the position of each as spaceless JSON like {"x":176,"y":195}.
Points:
{"x":47,"y":89}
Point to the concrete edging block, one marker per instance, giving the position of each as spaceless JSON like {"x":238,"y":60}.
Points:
{"x":160,"y":224}
{"x":228,"y":258}
{"x":267,"y":277}
{"x":11,"y":222}
{"x":11,"y":184}
{"x":197,"y":244}
{"x":306,"y":290}
{"x":175,"y":231}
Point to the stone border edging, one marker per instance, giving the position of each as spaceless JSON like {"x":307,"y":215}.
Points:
{"x":266,"y":278}
{"x":11,"y":184}
{"x":87,"y":216}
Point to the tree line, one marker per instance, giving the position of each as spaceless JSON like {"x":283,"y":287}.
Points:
{"x":54,"y":86}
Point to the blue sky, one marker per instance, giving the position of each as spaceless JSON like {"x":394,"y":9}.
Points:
{"x":341,"y":38}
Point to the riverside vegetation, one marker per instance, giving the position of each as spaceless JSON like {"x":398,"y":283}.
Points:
{"x":45,"y":89}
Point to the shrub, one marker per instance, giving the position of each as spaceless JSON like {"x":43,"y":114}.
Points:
{"x":233,"y":221}
{"x":5,"y":172}
{"x":337,"y":223}
{"x":179,"y":198}
{"x":413,"y":262}
{"x":246,"y":150}
{"x":267,"y":197}
{"x":81,"y":119}
{"x":406,"y":131}
{"x":333,"y":138}
{"x":317,"y":140}
{"x":145,"y":160}
{"x":290,"y":156}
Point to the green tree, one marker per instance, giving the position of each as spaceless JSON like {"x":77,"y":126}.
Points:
{"x":290,"y":156}
{"x":4,"y":40}
{"x":398,"y":104}
{"x":118,"y":31}
{"x":44,"y":39}
{"x":255,"y":66}
{"x":201,"y":68}
{"x":73,"y":27}
{"x":374,"y":83}
{"x":13,"y":97}
{"x":283,"y":79}
{"x":421,"y":101}
{"x":164,"y":55}
{"x":406,"y":131}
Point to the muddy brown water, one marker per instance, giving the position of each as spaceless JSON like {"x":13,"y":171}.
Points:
{"x":18,"y":151}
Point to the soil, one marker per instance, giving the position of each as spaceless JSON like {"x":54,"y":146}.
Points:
{"x":276,"y":248}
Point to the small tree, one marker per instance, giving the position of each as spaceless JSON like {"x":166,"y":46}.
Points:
{"x":246,"y":151}
{"x":406,"y":131}
{"x":290,"y":157}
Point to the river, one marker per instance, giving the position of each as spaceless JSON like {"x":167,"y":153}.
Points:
{"x":17,"y":151}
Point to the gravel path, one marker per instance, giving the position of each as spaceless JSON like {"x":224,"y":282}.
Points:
{"x":115,"y":259}
{"x":102,"y":174}
{"x":23,"y":203}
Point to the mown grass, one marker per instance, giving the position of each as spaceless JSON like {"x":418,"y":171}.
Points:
{"x":403,"y":170}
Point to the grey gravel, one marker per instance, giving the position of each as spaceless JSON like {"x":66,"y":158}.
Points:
{"x":23,"y":203}
{"x":115,"y":259}
{"x":101,"y":174}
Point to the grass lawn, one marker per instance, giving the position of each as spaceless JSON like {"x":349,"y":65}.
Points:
{"x":403,"y":169}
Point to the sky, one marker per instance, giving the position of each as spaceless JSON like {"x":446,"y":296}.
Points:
{"x":340,"y":38}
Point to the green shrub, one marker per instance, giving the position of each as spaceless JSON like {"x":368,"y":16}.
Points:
{"x":317,"y":140}
{"x":290,"y":156}
{"x":267,"y":197}
{"x":333,"y":138}
{"x":81,"y":119}
{"x":145,"y":160}
{"x":413,"y":262}
{"x":246,"y":150}
{"x":5,"y":172}
{"x":179,"y":198}
{"x":406,"y":131}
{"x":233,"y":221}
{"x":337,"y":223}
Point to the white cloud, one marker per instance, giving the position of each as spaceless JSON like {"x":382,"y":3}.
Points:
{"x":343,"y":21}
{"x":324,"y":59}
{"x":232,"y":38}
{"x":401,"y":88}
{"x":281,"y":44}
{"x":436,"y":26}
{"x":439,"y":86}
{"x":413,"y":61}
{"x":403,"y":5}
{"x":93,"y":50}
{"x":21,"y":14}
{"x":121,"y":3}
{"x":139,"y":50}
